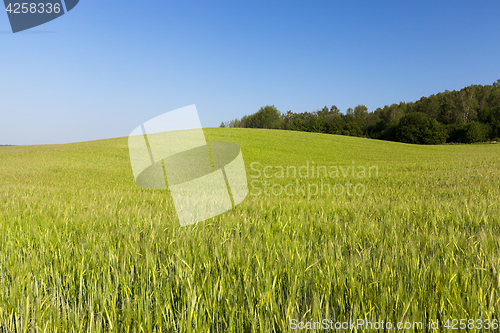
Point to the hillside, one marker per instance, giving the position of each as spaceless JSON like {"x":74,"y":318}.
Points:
{"x":84,"y":248}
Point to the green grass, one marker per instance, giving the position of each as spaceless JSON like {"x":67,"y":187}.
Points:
{"x":83,"y":249}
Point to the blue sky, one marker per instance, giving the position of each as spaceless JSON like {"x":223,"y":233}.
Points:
{"x":108,"y":66}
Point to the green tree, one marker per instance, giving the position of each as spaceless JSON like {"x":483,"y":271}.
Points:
{"x":468,"y":105}
{"x":476,"y":132}
{"x":317,"y":124}
{"x":267,"y":117}
{"x":419,"y":128}
{"x":360,"y":116}
{"x":335,"y":110}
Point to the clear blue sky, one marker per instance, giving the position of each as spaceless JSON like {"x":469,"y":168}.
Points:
{"x":107,"y":66}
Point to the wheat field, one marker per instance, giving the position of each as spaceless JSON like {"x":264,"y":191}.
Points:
{"x":83,"y":249}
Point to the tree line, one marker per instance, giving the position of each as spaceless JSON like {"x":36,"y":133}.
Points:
{"x":466,"y":116}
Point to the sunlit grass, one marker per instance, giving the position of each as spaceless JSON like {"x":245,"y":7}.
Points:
{"x":83,"y":249}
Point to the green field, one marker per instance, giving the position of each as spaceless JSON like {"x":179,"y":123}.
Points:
{"x":83,"y":249}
